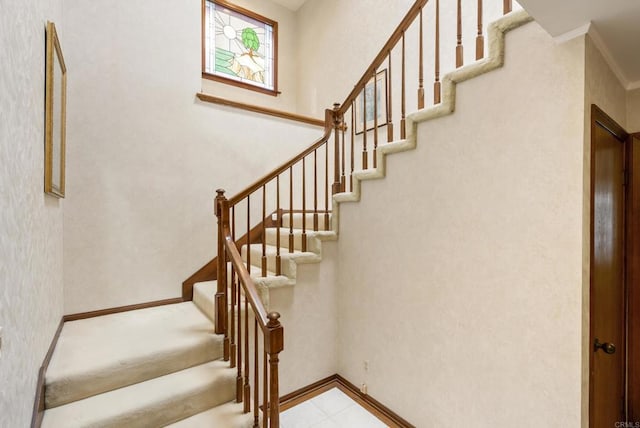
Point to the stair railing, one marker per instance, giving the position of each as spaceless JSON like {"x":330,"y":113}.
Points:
{"x":240,"y":313}
{"x":302,"y":187}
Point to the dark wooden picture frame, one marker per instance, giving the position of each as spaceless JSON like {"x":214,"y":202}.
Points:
{"x":382,"y":106}
{"x":220,"y":77}
{"x":55,"y":115}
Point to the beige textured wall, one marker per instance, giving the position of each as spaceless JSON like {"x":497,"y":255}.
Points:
{"x":633,"y":110}
{"x":30,"y":222}
{"x":144,"y":157}
{"x":460,"y":275}
{"x":310,"y":317}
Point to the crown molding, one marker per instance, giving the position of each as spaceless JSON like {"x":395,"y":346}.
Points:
{"x":595,"y":36}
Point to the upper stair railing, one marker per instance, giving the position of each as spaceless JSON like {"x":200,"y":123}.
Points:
{"x":302,"y":187}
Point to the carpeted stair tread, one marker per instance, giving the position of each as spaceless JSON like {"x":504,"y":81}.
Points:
{"x":100,"y":354}
{"x":154,"y":403}
{"x":228,"y":415}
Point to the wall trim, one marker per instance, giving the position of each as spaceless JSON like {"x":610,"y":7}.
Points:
{"x":336,"y":381}
{"x":590,"y":29}
{"x":572,"y":34}
{"x":606,"y":54}
{"x":259,"y":109}
{"x":633,"y":85}
{"x":101,"y":312}
{"x":38,"y":402}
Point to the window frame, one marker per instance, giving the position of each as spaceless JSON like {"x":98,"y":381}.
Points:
{"x":250,"y":14}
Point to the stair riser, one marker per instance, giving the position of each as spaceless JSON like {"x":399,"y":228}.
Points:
{"x":272,"y":239}
{"x":256,"y":261}
{"x":309,"y":226}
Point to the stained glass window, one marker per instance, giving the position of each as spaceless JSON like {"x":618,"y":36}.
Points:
{"x":240,"y":46}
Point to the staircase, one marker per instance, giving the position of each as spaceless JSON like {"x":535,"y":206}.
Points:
{"x":174,"y":365}
{"x":149,"y":367}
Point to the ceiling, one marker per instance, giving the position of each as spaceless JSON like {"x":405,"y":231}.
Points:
{"x":290,"y":4}
{"x":615,"y":27}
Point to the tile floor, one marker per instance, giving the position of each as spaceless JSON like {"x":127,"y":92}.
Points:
{"x":331,"y":409}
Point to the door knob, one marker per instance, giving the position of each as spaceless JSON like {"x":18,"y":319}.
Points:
{"x":608,"y":348}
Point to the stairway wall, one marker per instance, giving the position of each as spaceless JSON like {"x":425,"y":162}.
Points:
{"x":30,"y":221}
{"x":461,"y":273}
{"x":144,"y":157}
{"x":309,"y":313}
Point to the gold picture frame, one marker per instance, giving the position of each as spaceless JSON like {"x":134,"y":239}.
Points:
{"x":55,"y":115}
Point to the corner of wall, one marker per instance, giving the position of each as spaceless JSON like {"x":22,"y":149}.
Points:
{"x":31,"y":296}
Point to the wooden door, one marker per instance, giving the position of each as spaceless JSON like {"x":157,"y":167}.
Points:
{"x":608,"y":315}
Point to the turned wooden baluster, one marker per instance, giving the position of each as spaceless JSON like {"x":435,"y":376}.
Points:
{"x":365,"y":155}
{"x":264,"y":231}
{"x":237,"y":298}
{"x":230,"y":323}
{"x":480,"y":36}
{"x":239,"y":375}
{"x":403,"y":110}
{"x":278,"y":224}
{"x":304,"y":205}
{"x":249,"y":233}
{"x":256,"y":376}
{"x":436,"y":86}
{"x":507,"y":6}
{"x":291,"y":209}
{"x":343,"y":177}
{"x":459,"y":51}
{"x":247,"y":387}
{"x":336,"y":152}
{"x":326,"y":186}
{"x":389,"y":104}
{"x":375,"y":120}
{"x":222,"y":213}
{"x":274,"y":345}
{"x":315,"y":190}
{"x":420,"y":69}
{"x":234,"y":301}
{"x":265,"y":391}
{"x":353,"y":138}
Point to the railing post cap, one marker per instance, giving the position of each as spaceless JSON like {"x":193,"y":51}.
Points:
{"x":336,"y":106}
{"x":220,"y":192}
{"x":273,"y":318}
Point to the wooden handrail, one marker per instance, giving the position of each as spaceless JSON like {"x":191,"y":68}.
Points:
{"x":250,"y":289}
{"x":285,"y":166}
{"x":259,"y":109}
{"x":406,"y":22}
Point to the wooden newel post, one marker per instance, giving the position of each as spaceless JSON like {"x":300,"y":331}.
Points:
{"x":337,"y":186}
{"x":222,"y":213}
{"x":274,"y":344}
